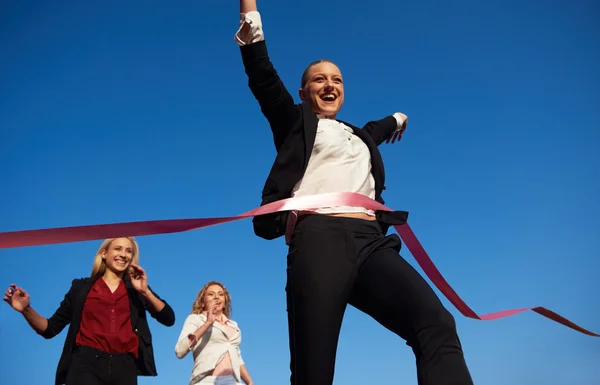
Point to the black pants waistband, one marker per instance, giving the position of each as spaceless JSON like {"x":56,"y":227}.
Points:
{"x":90,"y":351}
{"x":327,"y":222}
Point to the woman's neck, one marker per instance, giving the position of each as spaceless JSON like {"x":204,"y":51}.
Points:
{"x":111,"y":277}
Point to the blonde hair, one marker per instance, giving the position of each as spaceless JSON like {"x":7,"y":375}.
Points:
{"x":99,"y":266}
{"x":198,"y":306}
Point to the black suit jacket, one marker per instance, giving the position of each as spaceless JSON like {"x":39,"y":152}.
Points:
{"x":294,"y":128}
{"x":69,"y":313}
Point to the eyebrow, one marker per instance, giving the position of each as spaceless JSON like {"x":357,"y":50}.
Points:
{"x":324,"y":74}
{"x":119,"y":246}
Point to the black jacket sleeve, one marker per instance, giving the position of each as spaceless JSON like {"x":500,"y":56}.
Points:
{"x":63,"y":315}
{"x":276,"y":103}
{"x":381,"y":130}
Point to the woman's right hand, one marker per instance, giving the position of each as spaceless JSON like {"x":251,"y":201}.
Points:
{"x":210,"y":313}
{"x":17,"y":298}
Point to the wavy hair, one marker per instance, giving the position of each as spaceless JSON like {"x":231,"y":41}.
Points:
{"x":198,"y":306}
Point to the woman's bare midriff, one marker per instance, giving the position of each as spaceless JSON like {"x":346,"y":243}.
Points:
{"x":364,"y":216}
{"x":224,"y":367}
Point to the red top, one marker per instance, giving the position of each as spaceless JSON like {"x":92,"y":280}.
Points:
{"x":106,"y":320}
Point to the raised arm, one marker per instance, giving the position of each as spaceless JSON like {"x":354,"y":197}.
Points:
{"x":276,"y":103}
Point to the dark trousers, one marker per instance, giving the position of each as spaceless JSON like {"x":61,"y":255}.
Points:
{"x":335,"y":261}
{"x":95,"y":367}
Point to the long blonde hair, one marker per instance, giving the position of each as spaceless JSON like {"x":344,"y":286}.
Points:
{"x":99,"y":266}
{"x":198,"y":306}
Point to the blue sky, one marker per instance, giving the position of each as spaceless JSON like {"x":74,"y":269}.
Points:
{"x":122,"y":112}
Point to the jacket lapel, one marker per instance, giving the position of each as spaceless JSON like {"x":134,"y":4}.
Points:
{"x":80,"y":301}
{"x":310,"y":132}
{"x":134,"y":301}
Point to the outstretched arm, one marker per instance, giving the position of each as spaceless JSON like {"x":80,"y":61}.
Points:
{"x":276,"y":103}
{"x":19,"y":300}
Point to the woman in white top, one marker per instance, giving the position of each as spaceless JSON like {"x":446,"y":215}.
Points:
{"x":213,"y":339}
{"x":340,"y":255}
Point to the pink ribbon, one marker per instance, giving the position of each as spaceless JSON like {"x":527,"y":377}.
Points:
{"x":94,"y":232}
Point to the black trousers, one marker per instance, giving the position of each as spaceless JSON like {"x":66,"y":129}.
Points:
{"x":335,"y":261}
{"x":95,"y":367}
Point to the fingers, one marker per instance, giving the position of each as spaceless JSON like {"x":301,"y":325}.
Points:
{"x":12,"y":291}
{"x":138,"y":269}
{"x":396,"y":137}
{"x":192,"y":339}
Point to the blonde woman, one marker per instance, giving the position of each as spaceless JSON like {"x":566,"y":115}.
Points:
{"x":214,"y":339}
{"x":108,"y":341}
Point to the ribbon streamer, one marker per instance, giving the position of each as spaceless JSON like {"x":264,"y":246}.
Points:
{"x":94,"y":232}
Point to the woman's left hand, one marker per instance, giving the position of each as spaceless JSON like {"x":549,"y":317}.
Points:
{"x":192,"y":339}
{"x":397,"y":135}
{"x":139,"y":279}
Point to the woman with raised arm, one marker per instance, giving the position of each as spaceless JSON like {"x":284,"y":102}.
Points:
{"x":214,"y":339}
{"x":339,"y":255}
{"x":109,"y":341}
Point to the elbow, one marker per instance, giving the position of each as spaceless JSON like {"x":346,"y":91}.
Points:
{"x":166,"y":316}
{"x":179,"y":353}
{"x":170,"y":320}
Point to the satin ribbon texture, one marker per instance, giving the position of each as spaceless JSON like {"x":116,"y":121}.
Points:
{"x":96,"y":232}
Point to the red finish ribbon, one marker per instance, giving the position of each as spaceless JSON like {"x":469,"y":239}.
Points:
{"x":94,"y":232}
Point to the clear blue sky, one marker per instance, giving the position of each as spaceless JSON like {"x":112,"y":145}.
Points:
{"x":137,"y":110}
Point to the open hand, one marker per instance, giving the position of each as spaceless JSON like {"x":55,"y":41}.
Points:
{"x":397,"y":135}
{"x":17,"y":298}
{"x":139,"y":279}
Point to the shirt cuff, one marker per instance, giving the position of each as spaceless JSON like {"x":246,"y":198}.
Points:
{"x":255,"y":34}
{"x":400,"y":121}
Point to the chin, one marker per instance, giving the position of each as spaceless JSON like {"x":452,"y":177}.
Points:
{"x":119,"y":269}
{"x":330,"y":110}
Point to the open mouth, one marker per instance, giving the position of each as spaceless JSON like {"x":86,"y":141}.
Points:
{"x":328,"y":97}
{"x":121,"y":262}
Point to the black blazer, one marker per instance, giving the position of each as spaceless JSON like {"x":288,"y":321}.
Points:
{"x":294,"y":128}
{"x":69,"y":312}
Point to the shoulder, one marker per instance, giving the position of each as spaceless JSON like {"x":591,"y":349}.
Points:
{"x":79,"y":282}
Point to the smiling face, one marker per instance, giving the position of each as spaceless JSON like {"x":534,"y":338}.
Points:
{"x":118,"y":255}
{"x":323,"y":88}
